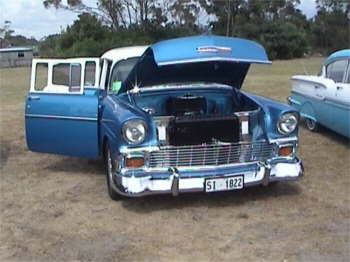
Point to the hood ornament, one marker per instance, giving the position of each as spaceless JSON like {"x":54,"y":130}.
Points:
{"x":214,"y":49}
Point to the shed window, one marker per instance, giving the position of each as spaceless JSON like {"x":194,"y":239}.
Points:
{"x":20,"y":54}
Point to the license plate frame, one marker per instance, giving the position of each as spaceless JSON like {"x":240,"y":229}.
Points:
{"x":224,"y":183}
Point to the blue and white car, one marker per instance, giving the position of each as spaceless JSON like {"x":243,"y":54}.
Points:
{"x":168,"y":118}
{"x":325,"y":99}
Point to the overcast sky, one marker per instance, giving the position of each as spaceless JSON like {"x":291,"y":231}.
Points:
{"x":30,"y":18}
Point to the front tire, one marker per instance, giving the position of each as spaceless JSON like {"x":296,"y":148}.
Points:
{"x":110,"y":169}
{"x":311,"y":125}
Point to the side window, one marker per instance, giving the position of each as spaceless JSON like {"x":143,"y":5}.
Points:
{"x":41,"y":73}
{"x":60,"y":74}
{"x":348,"y":78}
{"x":90,"y":70}
{"x":75,"y":73}
{"x":120,"y":72}
{"x":66,"y":77}
{"x":336,"y":70}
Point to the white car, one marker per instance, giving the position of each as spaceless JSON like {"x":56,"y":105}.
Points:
{"x":325,"y":99}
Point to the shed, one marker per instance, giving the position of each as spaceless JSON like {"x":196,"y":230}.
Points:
{"x":16,"y":56}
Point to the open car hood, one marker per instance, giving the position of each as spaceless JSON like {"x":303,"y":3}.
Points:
{"x":204,"y":58}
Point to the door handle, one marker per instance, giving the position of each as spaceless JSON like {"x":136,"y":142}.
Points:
{"x":33,"y":97}
{"x":339,"y":87}
{"x":317,"y":87}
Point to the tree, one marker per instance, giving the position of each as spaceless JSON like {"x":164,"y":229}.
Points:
{"x":330,"y":29}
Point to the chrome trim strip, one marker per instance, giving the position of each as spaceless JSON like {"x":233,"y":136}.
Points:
{"x":127,"y":150}
{"x":293,"y":101}
{"x":163,"y":87}
{"x":283,"y":140}
{"x":308,"y":96}
{"x":327,"y":100}
{"x":62,"y":117}
{"x":107,"y":120}
{"x":218,"y":58}
{"x":340,"y":104}
{"x":308,"y":80}
{"x":191,"y":168}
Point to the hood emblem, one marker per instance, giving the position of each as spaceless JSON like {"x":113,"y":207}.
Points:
{"x":214,"y":49}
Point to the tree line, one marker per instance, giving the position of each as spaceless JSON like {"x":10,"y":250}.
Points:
{"x":277,"y":24}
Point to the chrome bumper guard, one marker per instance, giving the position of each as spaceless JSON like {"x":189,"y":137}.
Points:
{"x":174,"y":181}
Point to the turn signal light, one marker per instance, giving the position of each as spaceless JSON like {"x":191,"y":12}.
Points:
{"x":285,"y":151}
{"x":134,"y":162}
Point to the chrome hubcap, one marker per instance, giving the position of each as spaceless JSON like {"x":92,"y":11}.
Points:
{"x":311,"y":124}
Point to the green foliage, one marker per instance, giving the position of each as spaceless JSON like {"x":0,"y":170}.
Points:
{"x":277,"y":24}
{"x":330,"y":30}
{"x":19,"y":40}
{"x":89,"y":37}
{"x":283,"y":40}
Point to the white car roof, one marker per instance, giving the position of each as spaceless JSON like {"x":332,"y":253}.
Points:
{"x":117,"y":54}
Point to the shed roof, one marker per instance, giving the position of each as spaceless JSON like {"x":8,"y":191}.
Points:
{"x":16,"y":49}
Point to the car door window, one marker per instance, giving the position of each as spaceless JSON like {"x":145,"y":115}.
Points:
{"x":120,"y":72}
{"x":66,"y":77}
{"x":90,"y":74}
{"x":348,"y":74}
{"x":336,"y":70}
{"x":41,"y":76}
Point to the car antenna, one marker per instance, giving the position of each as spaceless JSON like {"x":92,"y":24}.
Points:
{"x":304,"y":68}
{"x":209,"y":30}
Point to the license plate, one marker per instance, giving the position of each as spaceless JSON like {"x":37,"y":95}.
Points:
{"x":224,"y":183}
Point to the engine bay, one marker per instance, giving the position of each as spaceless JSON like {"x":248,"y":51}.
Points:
{"x":197,"y":117}
{"x":188,"y":123}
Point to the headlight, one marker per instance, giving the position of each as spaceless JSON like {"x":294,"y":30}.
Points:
{"x":287,"y":123}
{"x":134,"y":131}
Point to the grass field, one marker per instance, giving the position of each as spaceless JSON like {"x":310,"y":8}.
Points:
{"x":56,"y":208}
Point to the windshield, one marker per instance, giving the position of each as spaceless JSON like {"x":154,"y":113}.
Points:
{"x":120,"y":72}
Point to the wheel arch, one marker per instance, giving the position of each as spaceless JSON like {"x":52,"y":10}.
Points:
{"x":307,"y":111}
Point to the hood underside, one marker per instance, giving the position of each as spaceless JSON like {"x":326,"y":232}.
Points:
{"x":216,"y":59}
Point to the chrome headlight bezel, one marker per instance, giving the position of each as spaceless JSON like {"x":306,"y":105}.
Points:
{"x":287,"y":123}
{"x":138,"y":125}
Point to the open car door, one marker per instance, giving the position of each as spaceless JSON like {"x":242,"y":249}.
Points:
{"x":61,"y":112}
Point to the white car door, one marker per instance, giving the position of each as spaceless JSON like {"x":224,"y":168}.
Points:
{"x":343,"y":88}
{"x":338,"y":71}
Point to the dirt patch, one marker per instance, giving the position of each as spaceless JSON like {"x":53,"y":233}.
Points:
{"x":55,"y":208}
{"x":4,"y":153}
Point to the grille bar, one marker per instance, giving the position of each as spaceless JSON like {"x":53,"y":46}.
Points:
{"x":210,"y":155}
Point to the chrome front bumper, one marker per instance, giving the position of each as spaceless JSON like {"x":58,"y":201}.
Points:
{"x":136,"y":183}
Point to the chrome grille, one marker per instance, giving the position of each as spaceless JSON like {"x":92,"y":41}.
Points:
{"x":210,"y":154}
